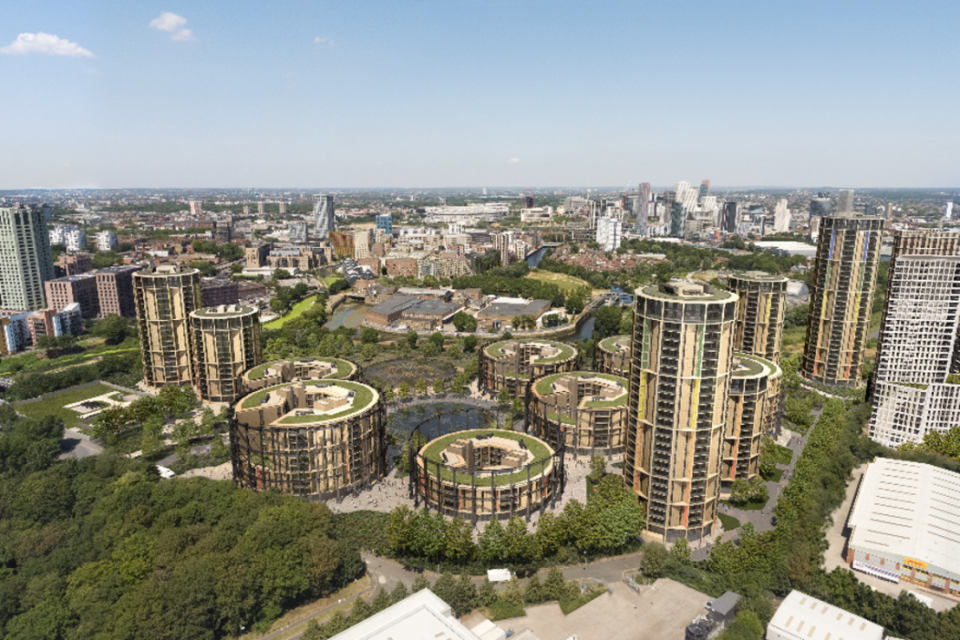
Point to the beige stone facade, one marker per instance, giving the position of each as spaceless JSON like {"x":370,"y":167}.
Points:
{"x":512,"y":364}
{"x":165,"y":298}
{"x":226,"y":342}
{"x":587,"y":410}
{"x":760,"y":313}
{"x":679,"y":379}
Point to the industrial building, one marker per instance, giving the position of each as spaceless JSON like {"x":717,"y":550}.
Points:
{"x":514,"y":363}
{"x":226,"y":342}
{"x":587,"y":410}
{"x":841,"y":299}
{"x":316,"y":439}
{"x":748,"y":407}
{"x":918,"y":349}
{"x":25,"y":258}
{"x":165,"y":297}
{"x":679,"y":377}
{"x":501,"y":312}
{"x":904,"y":525}
{"x":612,"y":355}
{"x":800,"y":616}
{"x":761,"y":310}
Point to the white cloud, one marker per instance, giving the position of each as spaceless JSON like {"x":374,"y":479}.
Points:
{"x":45,"y":43}
{"x":172,"y":23}
{"x":321,"y":40}
{"x":513,"y":160}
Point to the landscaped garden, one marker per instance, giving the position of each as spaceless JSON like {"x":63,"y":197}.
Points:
{"x":55,"y":405}
{"x":295,"y":312}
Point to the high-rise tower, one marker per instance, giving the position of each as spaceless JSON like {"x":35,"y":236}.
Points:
{"x":918,"y":347}
{"x":841,"y":298}
{"x":679,"y":386}
{"x":323,"y":217}
{"x":760,"y":313}
{"x":845,"y":201}
{"x":25,"y":258}
{"x":641,"y":209}
{"x":165,"y":298}
{"x":226,"y":342}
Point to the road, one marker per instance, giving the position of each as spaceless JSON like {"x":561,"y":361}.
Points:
{"x":78,"y":445}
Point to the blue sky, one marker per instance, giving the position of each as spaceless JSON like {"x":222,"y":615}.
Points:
{"x":439,"y":93}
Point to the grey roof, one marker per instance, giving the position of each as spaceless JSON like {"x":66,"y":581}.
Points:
{"x":533,"y":307}
{"x":393,"y":303}
{"x":725,"y":604}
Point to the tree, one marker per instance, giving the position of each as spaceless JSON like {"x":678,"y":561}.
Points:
{"x":518,"y":543}
{"x":412,"y":338}
{"x":458,"y":543}
{"x":491,"y":543}
{"x":429,"y":350}
{"x":436,"y":339}
{"x":369,"y":335}
{"x":464,"y":322}
{"x":655,"y":560}
{"x":504,"y":396}
{"x":465,"y":597}
{"x":399,"y":592}
{"x":368,"y":352}
{"x":534,"y":593}
{"x":514,"y":592}
{"x":420,"y":583}
{"x":421,"y":387}
{"x":681,"y":550}
{"x":113,"y":329}
{"x":554,"y":587}
{"x":606,"y":322}
{"x":575,"y":303}
{"x":439,"y":386}
{"x":399,"y":531}
{"x":469,"y":343}
{"x":598,"y":467}
{"x":403,"y":391}
{"x":487,"y":594}
{"x":550,"y":534}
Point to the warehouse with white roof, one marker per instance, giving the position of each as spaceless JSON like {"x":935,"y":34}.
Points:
{"x":905,"y":525}
{"x":803,"y":617}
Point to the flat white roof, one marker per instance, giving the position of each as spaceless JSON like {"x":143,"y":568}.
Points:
{"x":803,"y":616}
{"x":422,"y":615}
{"x":909,"y":509}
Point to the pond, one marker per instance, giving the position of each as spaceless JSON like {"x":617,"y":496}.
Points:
{"x":405,"y":419}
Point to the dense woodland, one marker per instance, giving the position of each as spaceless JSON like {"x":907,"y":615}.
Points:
{"x":103,"y":548}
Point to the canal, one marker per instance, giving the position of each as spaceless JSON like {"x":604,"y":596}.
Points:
{"x":534,"y":258}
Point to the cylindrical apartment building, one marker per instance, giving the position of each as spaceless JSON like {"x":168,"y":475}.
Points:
{"x":280,"y":371}
{"x":760,"y":313}
{"x":486,"y":473}
{"x":513,"y":363}
{"x":749,"y":410}
{"x":679,"y":379}
{"x":612,"y":355}
{"x":226,"y":342}
{"x":165,"y":298}
{"x":587,"y":410}
{"x":841,"y":299}
{"x":314,"y":438}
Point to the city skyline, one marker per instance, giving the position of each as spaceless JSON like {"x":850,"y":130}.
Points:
{"x":476,"y":94}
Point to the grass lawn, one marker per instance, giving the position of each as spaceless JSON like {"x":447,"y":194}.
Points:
{"x":562,"y":280}
{"x":296,"y":312}
{"x":746,"y":506}
{"x":783,"y":454}
{"x":569,"y":606}
{"x":30,"y":361}
{"x":501,"y":610}
{"x":54,"y":405}
{"x":789,"y":426}
{"x":729,"y":522}
{"x":539,"y":450}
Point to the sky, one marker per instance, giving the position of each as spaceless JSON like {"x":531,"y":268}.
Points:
{"x":478,"y":93}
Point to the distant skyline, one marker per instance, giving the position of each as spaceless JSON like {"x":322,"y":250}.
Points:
{"x":473,"y":93}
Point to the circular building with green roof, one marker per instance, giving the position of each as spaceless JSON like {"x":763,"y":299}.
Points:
{"x":587,"y":410}
{"x":280,"y":371}
{"x":315,"y":439}
{"x":612,"y":355}
{"x":481,"y":474}
{"x":511,"y":364}
{"x":752,"y":403}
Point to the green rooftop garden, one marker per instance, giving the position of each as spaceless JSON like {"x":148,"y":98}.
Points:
{"x":343,"y":368}
{"x":363,"y":398}
{"x":543,"y":386}
{"x":432,"y":452}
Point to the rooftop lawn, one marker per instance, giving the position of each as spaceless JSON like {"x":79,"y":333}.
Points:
{"x":496,"y":350}
{"x":610,"y":343}
{"x":343,"y":368}
{"x":748,"y":366}
{"x":432,"y":451}
{"x":364,"y":397}
{"x":54,"y":404}
{"x":543,"y":384}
